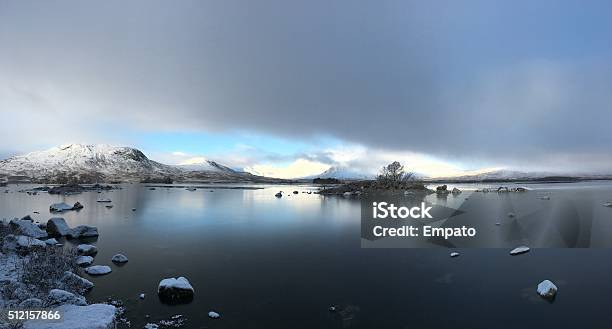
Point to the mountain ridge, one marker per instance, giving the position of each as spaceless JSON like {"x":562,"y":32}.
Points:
{"x":90,"y":163}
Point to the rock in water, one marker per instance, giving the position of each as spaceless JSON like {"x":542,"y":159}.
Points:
{"x":141,"y":296}
{"x":83,"y":231}
{"x":98,"y":270}
{"x":456,"y":191}
{"x":103,"y":200}
{"x":175,"y":289}
{"x":77,"y":206}
{"x":84,"y":260}
{"x":519,"y":250}
{"x":214,"y":315}
{"x":27,"y":228}
{"x":607,"y":204}
{"x":60,"y":207}
{"x":279,"y":195}
{"x":547,"y":289}
{"x":511,"y":215}
{"x":454,"y":254}
{"x":87,"y":250}
{"x":28,"y":243}
{"x":57,"y":227}
{"x":119,"y":258}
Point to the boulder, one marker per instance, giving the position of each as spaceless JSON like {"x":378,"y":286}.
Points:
{"x":119,"y":258}
{"x":175,"y":289}
{"x":87,"y":250}
{"x":98,"y":270}
{"x":441,"y":188}
{"x":83,"y":231}
{"x":95,"y":316}
{"x":74,"y":282}
{"x":547,"y":289}
{"x":84,"y":260}
{"x":51,"y":242}
{"x":60,"y":207}
{"x":519,"y":250}
{"x":28,"y":243}
{"x":27,"y":228}
{"x":61,"y":297}
{"x":31,"y":303}
{"x":27,"y":217}
{"x":57,"y":227}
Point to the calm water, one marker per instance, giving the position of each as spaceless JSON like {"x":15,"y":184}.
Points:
{"x":263,"y":262}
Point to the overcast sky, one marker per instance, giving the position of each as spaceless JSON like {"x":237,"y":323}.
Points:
{"x":266,"y":85}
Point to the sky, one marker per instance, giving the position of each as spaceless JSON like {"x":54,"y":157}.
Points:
{"x":290,"y":88}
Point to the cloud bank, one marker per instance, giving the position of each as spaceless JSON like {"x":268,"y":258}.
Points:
{"x":482,"y":83}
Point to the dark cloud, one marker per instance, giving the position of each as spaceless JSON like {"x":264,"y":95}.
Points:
{"x":469,"y":80}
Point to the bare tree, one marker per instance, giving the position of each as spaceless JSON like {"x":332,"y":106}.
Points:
{"x":394,"y":172}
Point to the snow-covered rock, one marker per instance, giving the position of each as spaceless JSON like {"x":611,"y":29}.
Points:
{"x":119,"y":258}
{"x":141,"y":296}
{"x":98,"y":270}
{"x":83,"y":231}
{"x":87,"y":250}
{"x":51,"y":242}
{"x":27,"y":228}
{"x":75,"y":282}
{"x":547,"y":289}
{"x":456,"y":191}
{"x":174,"y":289}
{"x":214,"y":315}
{"x":607,"y":204}
{"x":31,"y":303}
{"x":454,"y":254}
{"x":84,"y":260}
{"x":28,"y":243}
{"x":61,"y":297}
{"x":95,"y":316}
{"x":57,"y":227}
{"x":519,"y":250}
{"x":60,"y":207}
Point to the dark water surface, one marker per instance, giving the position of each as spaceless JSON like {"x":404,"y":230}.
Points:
{"x":263,"y":262}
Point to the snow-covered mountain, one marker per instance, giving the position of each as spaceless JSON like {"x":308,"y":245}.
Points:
{"x":342,"y":173}
{"x":206,"y":165}
{"x":104,"y":163}
{"x":501,"y":174}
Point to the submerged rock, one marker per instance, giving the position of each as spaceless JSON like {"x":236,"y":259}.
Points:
{"x":547,"y":289}
{"x":175,"y":289}
{"x":57,"y":227}
{"x":98,"y":270}
{"x":83,"y":231}
{"x":84,"y":260}
{"x":119,"y":258}
{"x":27,"y":228}
{"x":519,"y":250}
{"x":87,"y":250}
